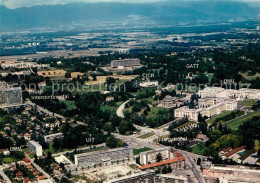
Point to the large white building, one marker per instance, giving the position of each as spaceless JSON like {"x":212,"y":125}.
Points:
{"x":100,"y":157}
{"x":150,"y":156}
{"x":125,"y":63}
{"x":208,"y":106}
{"x":35,"y":148}
{"x":240,"y":94}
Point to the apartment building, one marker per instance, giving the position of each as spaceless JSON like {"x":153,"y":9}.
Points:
{"x":35,"y":148}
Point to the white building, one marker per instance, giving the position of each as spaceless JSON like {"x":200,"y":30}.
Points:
{"x":149,"y":84}
{"x":35,"y":148}
{"x":150,"y":156}
{"x":100,"y":157}
{"x":51,"y":137}
{"x":240,"y":94}
{"x":208,"y":106}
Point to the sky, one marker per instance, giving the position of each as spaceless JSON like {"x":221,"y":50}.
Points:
{"x":26,"y":3}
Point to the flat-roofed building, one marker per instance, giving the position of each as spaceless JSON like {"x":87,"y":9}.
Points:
{"x":125,"y":63}
{"x":208,"y":106}
{"x":241,"y":94}
{"x":35,"y":148}
{"x":100,"y":157}
{"x":150,"y":156}
{"x":51,"y":137}
{"x":211,"y":92}
{"x":233,"y":174}
{"x":176,"y":163}
{"x":10,"y":96}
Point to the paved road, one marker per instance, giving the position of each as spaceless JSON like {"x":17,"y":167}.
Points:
{"x":6,"y":179}
{"x":42,"y":171}
{"x":79,"y":149}
{"x":41,"y":109}
{"x":120,"y":110}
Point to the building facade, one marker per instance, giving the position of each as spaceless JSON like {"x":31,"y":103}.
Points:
{"x":150,"y":156}
{"x":125,"y":63}
{"x":51,"y":137}
{"x":100,"y":157}
{"x":35,"y":148}
{"x":241,"y":94}
{"x":208,"y":106}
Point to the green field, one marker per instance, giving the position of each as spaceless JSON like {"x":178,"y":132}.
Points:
{"x":234,"y":124}
{"x":70,"y":104}
{"x":213,"y":118}
{"x":8,"y":160}
{"x":247,"y":103}
{"x":147,"y":135}
{"x":154,"y":112}
{"x":199,"y":148}
{"x":138,"y":151}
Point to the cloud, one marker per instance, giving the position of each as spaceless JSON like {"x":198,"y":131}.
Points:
{"x":27,"y":3}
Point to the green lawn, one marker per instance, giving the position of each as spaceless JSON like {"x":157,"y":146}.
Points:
{"x":97,"y":149}
{"x":138,"y":151}
{"x":247,"y":103}
{"x":234,"y":124}
{"x":70,"y":104}
{"x":199,"y":148}
{"x":213,"y":118}
{"x":154,"y":112}
{"x":28,"y":152}
{"x":8,"y":160}
{"x":147,"y":135}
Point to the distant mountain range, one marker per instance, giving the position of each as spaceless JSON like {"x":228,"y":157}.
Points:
{"x":169,"y":12}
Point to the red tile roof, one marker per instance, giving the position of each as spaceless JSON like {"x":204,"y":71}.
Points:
{"x":26,"y":160}
{"x":41,"y":177}
{"x":166,"y":162}
{"x":18,"y":174}
{"x":234,"y":151}
{"x":227,"y":149}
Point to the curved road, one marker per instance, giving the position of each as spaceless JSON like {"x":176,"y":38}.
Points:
{"x":120,"y":110}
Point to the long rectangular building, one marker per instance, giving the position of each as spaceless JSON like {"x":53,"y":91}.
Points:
{"x":125,"y":63}
{"x":51,"y":137}
{"x":100,"y":157}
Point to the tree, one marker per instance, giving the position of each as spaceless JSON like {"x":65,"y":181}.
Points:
{"x":67,"y":75}
{"x":94,"y":77}
{"x":198,"y":161}
{"x":111,"y":142}
{"x":164,"y":170}
{"x":169,"y":169}
{"x":158,"y":157}
{"x":137,"y":160}
{"x":258,"y":152}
